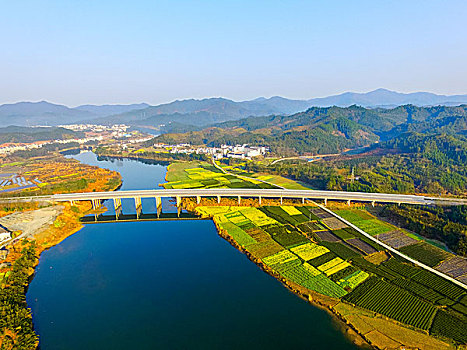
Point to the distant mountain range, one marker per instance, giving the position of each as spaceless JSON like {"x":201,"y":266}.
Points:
{"x":195,"y":113}
{"x":324,"y":130}
{"x":46,"y":113}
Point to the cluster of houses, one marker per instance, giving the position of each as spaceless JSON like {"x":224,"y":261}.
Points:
{"x":7,"y":148}
{"x":225,"y":151}
{"x":116,"y":130}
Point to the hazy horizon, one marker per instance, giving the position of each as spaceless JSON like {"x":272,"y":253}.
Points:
{"x":209,"y":97}
{"x":107,"y":52}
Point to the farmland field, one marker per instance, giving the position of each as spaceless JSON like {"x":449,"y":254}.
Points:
{"x":203,"y":175}
{"x":425,"y":253}
{"x":394,"y":302}
{"x":390,"y":287}
{"x":306,"y":246}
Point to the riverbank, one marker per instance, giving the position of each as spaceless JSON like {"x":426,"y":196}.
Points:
{"x":41,"y":227}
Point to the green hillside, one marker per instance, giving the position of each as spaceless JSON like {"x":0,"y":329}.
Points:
{"x":328,"y":130}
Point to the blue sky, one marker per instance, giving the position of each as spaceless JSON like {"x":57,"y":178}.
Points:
{"x":76,"y":52}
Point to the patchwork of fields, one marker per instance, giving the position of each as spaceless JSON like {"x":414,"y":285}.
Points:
{"x":305,"y":247}
{"x":310,"y":249}
{"x":183,"y":175}
{"x":408,"y":244}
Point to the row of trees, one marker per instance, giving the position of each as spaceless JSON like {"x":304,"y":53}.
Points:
{"x":16,"y":327}
{"x":446,"y":224}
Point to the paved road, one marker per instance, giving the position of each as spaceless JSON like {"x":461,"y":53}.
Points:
{"x":395,"y":251}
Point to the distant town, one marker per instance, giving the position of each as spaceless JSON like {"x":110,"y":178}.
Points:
{"x":224,"y":151}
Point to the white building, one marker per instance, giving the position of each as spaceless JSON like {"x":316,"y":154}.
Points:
{"x":4,"y":235}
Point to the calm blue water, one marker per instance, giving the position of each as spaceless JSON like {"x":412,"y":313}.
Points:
{"x":165,"y":285}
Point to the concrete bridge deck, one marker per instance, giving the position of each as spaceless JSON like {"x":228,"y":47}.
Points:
{"x":249,"y":193}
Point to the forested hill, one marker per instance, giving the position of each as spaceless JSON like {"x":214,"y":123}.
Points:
{"x":19,"y":134}
{"x":328,"y":130}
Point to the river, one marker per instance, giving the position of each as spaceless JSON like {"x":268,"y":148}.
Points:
{"x":165,"y":284}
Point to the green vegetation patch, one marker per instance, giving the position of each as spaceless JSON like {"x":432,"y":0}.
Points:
{"x":240,"y":236}
{"x":282,"y":216}
{"x":354,"y":215}
{"x":324,"y":285}
{"x":394,"y":302}
{"x":290,"y":239}
{"x":279,"y":258}
{"x":424,"y":292}
{"x":439,"y":284}
{"x":425,"y":253}
{"x":264,"y":249}
{"x":344,"y":233}
{"x":308,"y":213}
{"x":450,"y":326}
{"x":353,"y":280}
{"x":340,"y":249}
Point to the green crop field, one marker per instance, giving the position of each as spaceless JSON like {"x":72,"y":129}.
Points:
{"x":280,"y":258}
{"x":307,"y":212}
{"x":449,"y":326}
{"x":425,"y":253}
{"x":354,"y":215}
{"x":324,"y":285}
{"x":353,"y":280}
{"x":344,"y":233}
{"x":322,"y":259}
{"x":298,"y":249}
{"x":203,"y":175}
{"x":341,"y":250}
{"x":290,"y":239}
{"x":439,"y":284}
{"x":396,"y":303}
{"x":240,"y":236}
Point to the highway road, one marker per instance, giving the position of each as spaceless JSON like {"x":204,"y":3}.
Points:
{"x":250,"y":193}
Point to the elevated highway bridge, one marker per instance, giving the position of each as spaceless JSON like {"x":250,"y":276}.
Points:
{"x":239,"y":193}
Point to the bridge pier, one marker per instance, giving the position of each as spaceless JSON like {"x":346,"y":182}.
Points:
{"x":281,"y":200}
{"x":118,"y":207}
{"x":158,"y":206}
{"x":96,"y":204}
{"x":239,"y":199}
{"x":198,"y":199}
{"x":303,"y":200}
{"x":179,"y":200}
{"x":117,"y":203}
{"x":218,"y":199}
{"x":373,"y":203}
{"x":118,"y":212}
{"x":348,"y":202}
{"x":259,"y":197}
{"x":138,"y":206}
{"x":72,"y":203}
{"x":325,"y":202}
